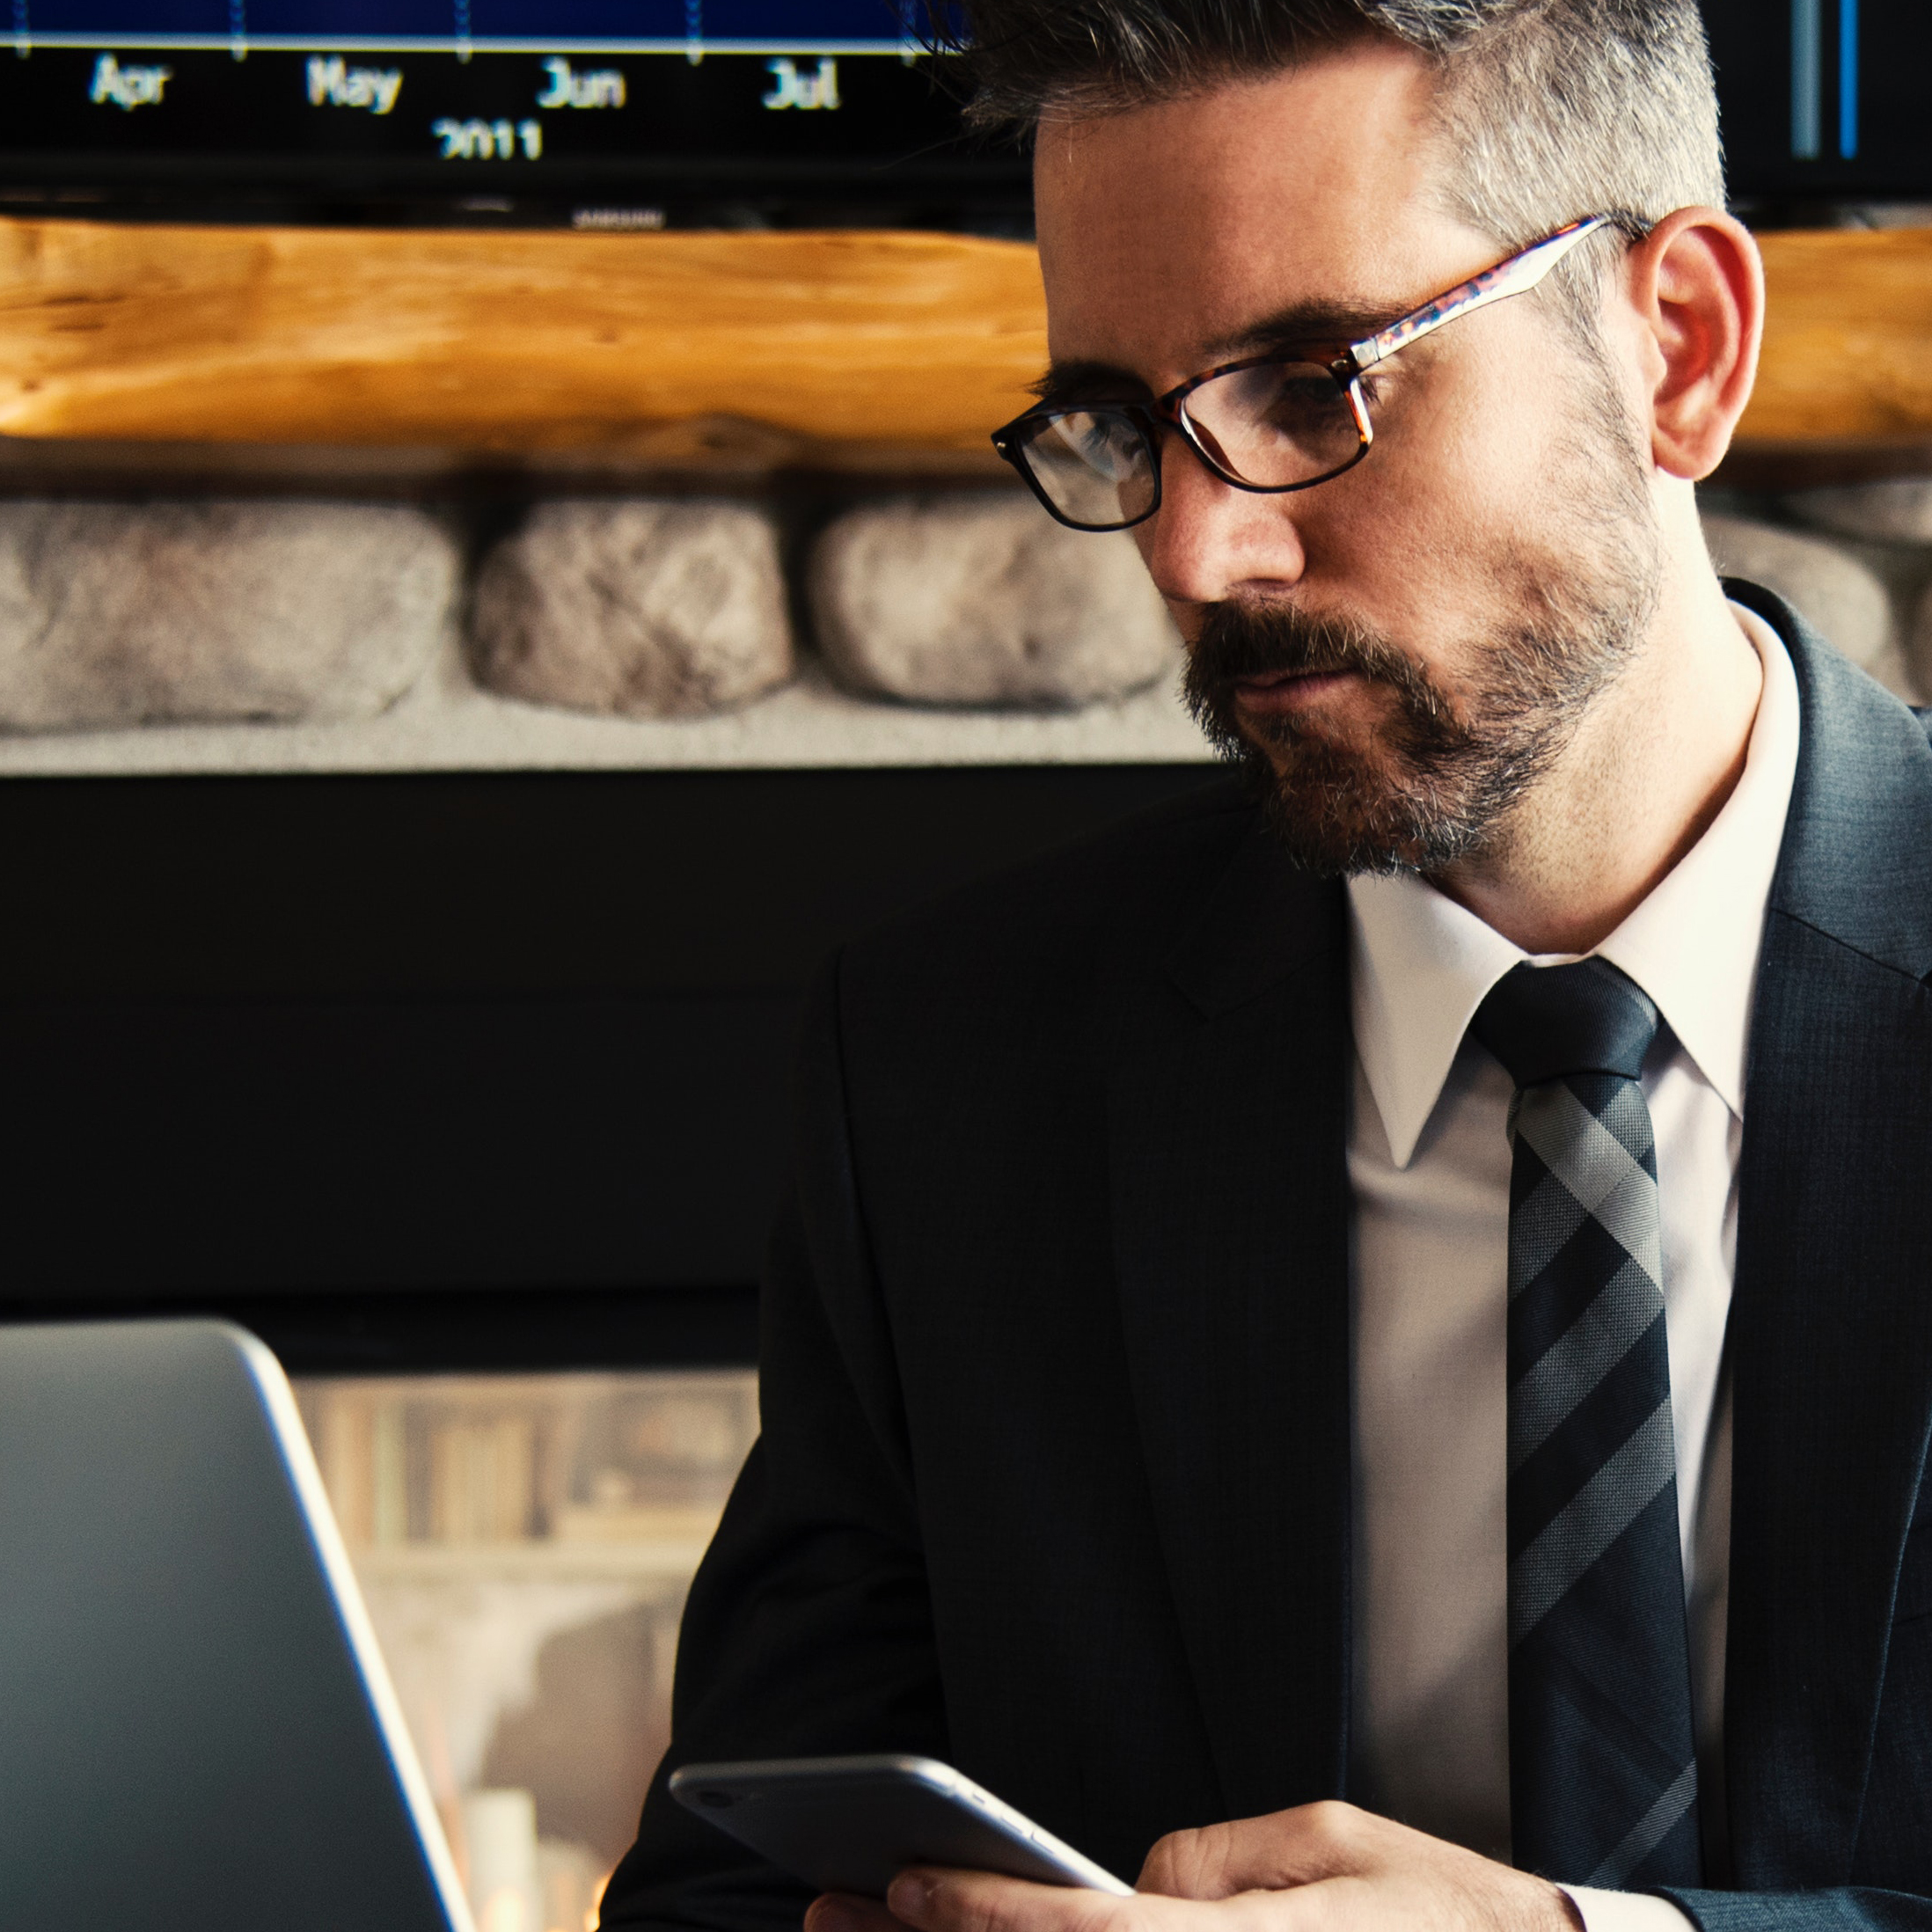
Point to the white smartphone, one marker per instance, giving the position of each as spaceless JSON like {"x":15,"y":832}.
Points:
{"x":854,"y":1824}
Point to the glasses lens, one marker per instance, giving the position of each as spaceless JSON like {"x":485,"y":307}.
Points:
{"x":1096,"y":467}
{"x":1276,"y":424}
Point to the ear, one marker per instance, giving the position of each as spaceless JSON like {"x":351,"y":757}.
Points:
{"x":1697,"y":284}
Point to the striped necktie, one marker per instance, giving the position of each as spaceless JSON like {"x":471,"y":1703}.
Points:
{"x":1603,"y":1767}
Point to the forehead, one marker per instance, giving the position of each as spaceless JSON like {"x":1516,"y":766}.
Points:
{"x":1168,"y":233}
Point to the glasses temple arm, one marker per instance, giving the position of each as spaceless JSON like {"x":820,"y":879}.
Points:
{"x":1516,"y":277}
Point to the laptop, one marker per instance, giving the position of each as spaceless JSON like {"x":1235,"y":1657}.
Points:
{"x":196,"y":1730}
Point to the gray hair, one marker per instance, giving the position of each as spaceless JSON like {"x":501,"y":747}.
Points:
{"x":1551,"y":109}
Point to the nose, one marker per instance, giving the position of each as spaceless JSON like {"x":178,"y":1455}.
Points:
{"x":1209,"y":541}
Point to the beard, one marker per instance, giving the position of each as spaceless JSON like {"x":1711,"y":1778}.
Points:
{"x":1441,"y":779}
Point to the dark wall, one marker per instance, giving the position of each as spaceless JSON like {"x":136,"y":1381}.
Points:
{"x":445,"y":1070}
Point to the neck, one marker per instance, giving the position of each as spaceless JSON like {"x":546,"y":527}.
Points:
{"x":1651,"y":767}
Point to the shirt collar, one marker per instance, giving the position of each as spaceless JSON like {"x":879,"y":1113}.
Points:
{"x":1420,"y":964}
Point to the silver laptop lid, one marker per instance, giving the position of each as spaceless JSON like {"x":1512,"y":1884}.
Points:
{"x":196,"y":1730}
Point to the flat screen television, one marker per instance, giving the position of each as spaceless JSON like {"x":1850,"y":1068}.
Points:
{"x":613,"y":113}
{"x":630,"y":112}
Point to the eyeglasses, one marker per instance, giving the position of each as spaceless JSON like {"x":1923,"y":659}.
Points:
{"x":1269,"y":424}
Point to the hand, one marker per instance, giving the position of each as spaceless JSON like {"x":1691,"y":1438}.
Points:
{"x":1322,"y":1868}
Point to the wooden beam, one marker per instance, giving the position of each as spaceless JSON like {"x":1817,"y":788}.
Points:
{"x":745,"y":351}
{"x":1847,"y":348}
{"x":763,"y":348}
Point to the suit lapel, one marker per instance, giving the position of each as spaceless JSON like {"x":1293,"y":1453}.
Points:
{"x":1831,"y":1333}
{"x":1228,"y":1129}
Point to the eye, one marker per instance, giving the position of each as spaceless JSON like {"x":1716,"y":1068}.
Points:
{"x":1302,"y":394}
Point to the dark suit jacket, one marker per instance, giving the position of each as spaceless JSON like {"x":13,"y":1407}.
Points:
{"x":1054,"y":1481}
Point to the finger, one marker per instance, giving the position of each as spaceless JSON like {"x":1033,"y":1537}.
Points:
{"x":931,"y":1900}
{"x":1273,"y":1853}
{"x":842,"y":1912}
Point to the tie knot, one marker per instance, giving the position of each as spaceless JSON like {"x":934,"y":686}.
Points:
{"x":1546,"y":1021}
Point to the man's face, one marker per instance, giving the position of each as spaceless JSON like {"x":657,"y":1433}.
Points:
{"x":1397,"y":654}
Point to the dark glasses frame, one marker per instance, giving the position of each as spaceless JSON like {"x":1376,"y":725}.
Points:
{"x":1516,"y":275}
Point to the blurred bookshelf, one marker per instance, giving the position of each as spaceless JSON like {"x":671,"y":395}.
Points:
{"x":526,"y":1543}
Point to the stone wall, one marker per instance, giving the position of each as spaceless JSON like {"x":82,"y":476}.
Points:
{"x":119,"y":616}
{"x":121,"y":621}
{"x":1857,"y":559}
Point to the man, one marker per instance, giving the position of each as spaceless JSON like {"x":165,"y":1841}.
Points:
{"x":1370,"y":1332}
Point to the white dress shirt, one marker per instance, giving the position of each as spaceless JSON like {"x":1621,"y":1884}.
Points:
{"x":1429,"y":1162}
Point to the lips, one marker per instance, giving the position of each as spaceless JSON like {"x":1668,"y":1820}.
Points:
{"x":1275,"y":690}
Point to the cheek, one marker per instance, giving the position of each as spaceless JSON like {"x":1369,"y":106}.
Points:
{"x":1479,"y":443}
{"x":1459,"y":479}
{"x":1187,"y":617}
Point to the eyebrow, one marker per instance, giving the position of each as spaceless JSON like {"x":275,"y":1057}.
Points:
{"x":1303,"y":324}
{"x":1088,"y":381}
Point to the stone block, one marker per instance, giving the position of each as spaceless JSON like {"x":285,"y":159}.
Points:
{"x":121,"y":614}
{"x":1843,"y":597}
{"x":984,"y":599}
{"x":645,"y":608}
{"x":1898,"y":510}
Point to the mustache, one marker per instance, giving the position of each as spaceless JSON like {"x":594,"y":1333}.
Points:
{"x":1244,"y":640}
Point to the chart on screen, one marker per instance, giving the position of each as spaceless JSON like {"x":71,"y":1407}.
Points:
{"x":645,"y":25}
{"x":698,"y":98}
{"x":721,"y":110}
